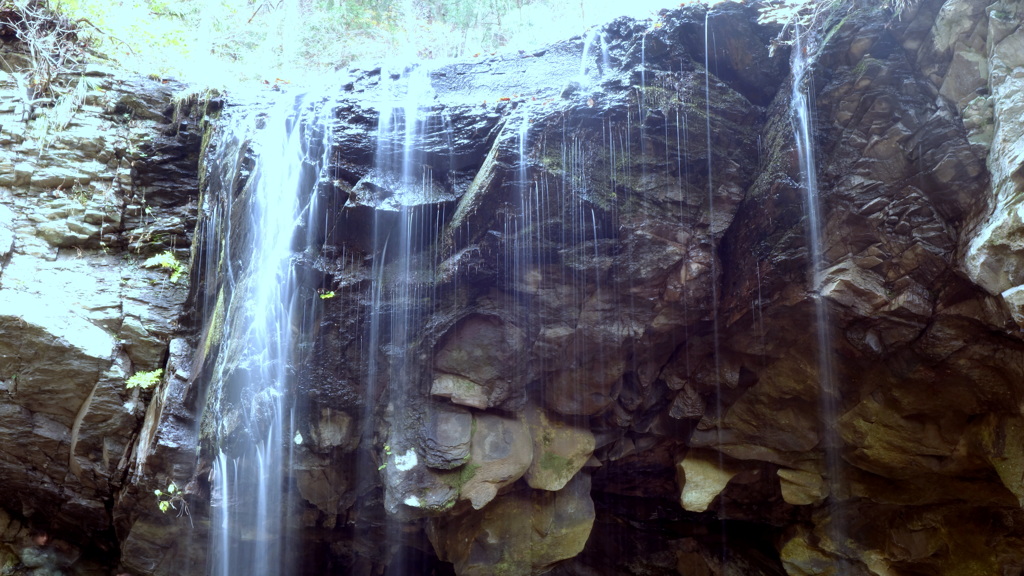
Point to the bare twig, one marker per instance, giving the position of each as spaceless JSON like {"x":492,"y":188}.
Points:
{"x":107,"y":34}
{"x":267,"y":5}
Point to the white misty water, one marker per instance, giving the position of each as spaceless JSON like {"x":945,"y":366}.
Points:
{"x":802,"y":107}
{"x":603,"y":64}
{"x":263,"y":329}
{"x":406,"y":181}
{"x":405,"y":223}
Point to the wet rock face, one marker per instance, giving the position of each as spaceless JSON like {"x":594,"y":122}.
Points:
{"x":525,"y":532}
{"x":85,"y":199}
{"x":500,"y":454}
{"x":617,"y":272}
{"x":575,"y":329}
{"x":557,"y":246}
{"x":903,"y":186}
{"x":997,"y":54}
{"x":475,"y":364}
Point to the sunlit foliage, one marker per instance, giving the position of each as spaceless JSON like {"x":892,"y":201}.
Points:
{"x":144,"y":380}
{"x":216,"y":42}
{"x":788,"y":11}
{"x":282,"y":40}
{"x":167,"y":261}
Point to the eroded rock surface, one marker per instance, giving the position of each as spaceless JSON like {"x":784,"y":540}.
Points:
{"x":522,"y":532}
{"x":87,"y":194}
{"x":600,"y":273}
{"x":582,"y":336}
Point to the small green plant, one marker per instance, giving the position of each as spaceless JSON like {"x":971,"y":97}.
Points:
{"x":166,"y":500}
{"x":144,"y":379}
{"x":387,"y":452}
{"x":326,"y":295}
{"x":168,"y":261}
{"x":172,"y":499}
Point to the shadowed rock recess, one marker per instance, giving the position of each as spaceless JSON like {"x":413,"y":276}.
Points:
{"x":586,"y":343}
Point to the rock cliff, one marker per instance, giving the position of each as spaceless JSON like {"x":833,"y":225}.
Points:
{"x":93,"y":182}
{"x":586,"y":341}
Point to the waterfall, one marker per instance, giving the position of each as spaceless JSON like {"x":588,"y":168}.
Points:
{"x":553,"y":275}
{"x":708,"y":48}
{"x":603,"y":66}
{"x":263,"y":311}
{"x":802,"y":107}
{"x":522,"y":226}
{"x":403,"y":266}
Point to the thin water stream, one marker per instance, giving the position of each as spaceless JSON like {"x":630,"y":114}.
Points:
{"x":602,"y":65}
{"x":404,"y":264}
{"x":803,"y":109}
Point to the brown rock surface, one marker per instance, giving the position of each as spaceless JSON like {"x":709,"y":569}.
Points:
{"x":605,"y":318}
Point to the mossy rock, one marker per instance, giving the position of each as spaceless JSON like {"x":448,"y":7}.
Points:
{"x":560,"y":450}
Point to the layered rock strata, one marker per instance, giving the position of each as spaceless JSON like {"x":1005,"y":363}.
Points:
{"x":585,"y":340}
{"x":93,"y":183}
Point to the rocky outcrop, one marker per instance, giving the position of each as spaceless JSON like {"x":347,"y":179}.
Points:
{"x":523,"y":533}
{"x":91,"y":186}
{"x":576,"y":328}
{"x":989,"y":58}
{"x":903,"y":186}
{"x":571,"y":251}
{"x":630,"y":257}
{"x":600,"y":289}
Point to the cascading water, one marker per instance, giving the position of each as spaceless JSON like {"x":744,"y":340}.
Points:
{"x":405,"y":227}
{"x":603,"y":65}
{"x":523,"y":225}
{"x":398,"y":169}
{"x":709,"y":48}
{"x":802,"y":106}
{"x":560,"y":203}
{"x":265,"y":315}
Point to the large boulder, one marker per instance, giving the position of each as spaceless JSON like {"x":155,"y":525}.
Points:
{"x":520,"y":533}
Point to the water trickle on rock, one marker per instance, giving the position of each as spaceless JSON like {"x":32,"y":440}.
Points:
{"x":708,"y":49}
{"x":803,"y":109}
{"x":599,"y":62}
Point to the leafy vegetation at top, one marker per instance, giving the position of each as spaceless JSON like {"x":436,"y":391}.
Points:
{"x":214,"y":42}
{"x":47,"y":49}
{"x":276,"y":40}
